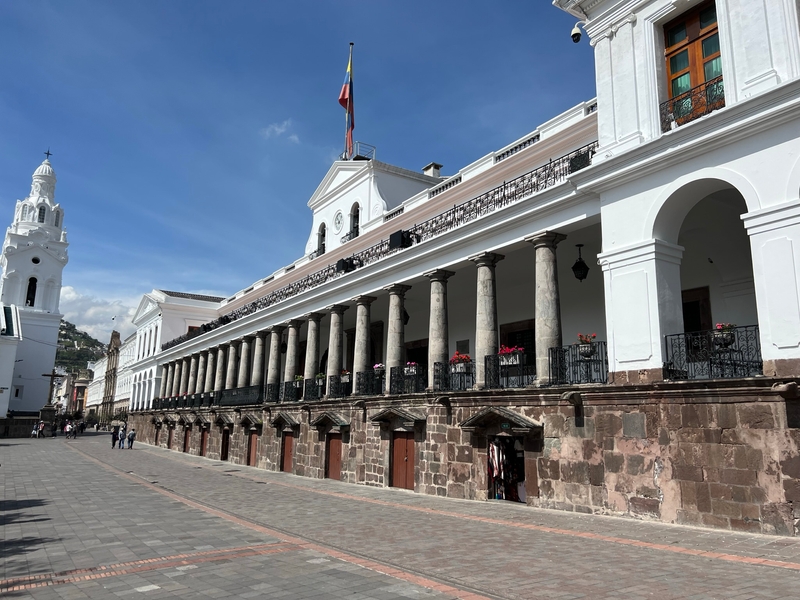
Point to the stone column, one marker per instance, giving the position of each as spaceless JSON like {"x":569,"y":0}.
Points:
{"x":548,"y":305}
{"x":211,"y":364}
{"x":292,"y":347}
{"x":244,"y":363}
{"x":164,"y":376}
{"x":362,"y":344}
{"x":396,"y":338}
{"x":190,"y":386}
{"x":274,"y":369}
{"x":184,"y":380}
{"x":172,"y":384}
{"x":257,"y":373}
{"x":335,"y":339}
{"x":230,"y":372}
{"x":312,"y":345}
{"x":170,"y":368}
{"x":219,"y":375}
{"x":486,"y":329}
{"x":438,"y":328}
{"x":201,"y":372}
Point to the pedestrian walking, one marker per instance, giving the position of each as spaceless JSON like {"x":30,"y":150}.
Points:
{"x":68,"y":429}
{"x":41,"y":429}
{"x":114,"y":436}
{"x":131,"y":438}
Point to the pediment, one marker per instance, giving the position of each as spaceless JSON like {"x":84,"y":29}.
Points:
{"x":339,"y":173}
{"x":224,"y":420}
{"x":253,"y":419}
{"x":499,"y":416}
{"x":330,"y":419}
{"x":407,"y":416}
{"x":147,"y":305}
{"x":285,"y":421}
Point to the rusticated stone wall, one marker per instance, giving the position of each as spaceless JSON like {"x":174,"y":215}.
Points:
{"x":717,"y":454}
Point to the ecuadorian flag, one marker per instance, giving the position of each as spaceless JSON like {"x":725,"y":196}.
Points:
{"x":346,"y":100}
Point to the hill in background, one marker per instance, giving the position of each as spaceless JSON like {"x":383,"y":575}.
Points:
{"x":76,"y":348}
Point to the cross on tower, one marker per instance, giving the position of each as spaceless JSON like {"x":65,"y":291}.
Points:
{"x":48,"y":154}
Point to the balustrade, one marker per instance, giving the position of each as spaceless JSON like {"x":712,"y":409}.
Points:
{"x":578,"y":363}
{"x":719,"y":353}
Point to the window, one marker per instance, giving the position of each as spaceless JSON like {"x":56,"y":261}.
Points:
{"x":42,"y":214}
{"x":693,"y":59}
{"x":321,"y":240}
{"x":30,"y":297}
{"x":57,"y":221}
{"x":355,"y":217}
{"x":24,"y":214}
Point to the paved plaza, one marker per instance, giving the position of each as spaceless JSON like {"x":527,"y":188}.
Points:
{"x":80,"y":520}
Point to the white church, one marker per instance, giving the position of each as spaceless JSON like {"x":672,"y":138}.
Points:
{"x":608,"y":306}
{"x":33,"y":257}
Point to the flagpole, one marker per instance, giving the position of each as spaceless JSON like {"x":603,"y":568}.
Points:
{"x":349,"y":100}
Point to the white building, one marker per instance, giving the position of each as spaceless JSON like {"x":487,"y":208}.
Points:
{"x":96,"y":387}
{"x":681,"y":181}
{"x":34,"y":255}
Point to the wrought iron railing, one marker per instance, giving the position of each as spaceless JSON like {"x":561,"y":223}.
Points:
{"x":273,"y":392}
{"x":453,"y":377}
{"x":241,"y":396}
{"x":714,"y":354}
{"x":292,"y":391}
{"x":510,"y":192}
{"x":371,"y":383}
{"x":508,"y":371}
{"x":350,"y":235}
{"x":408,"y":379}
{"x":691,"y":105}
{"x":578,"y":363}
{"x":313,"y":389}
{"x":361,"y":151}
{"x":340,"y":386}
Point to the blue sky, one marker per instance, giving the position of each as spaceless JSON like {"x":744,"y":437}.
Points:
{"x":188,"y":135}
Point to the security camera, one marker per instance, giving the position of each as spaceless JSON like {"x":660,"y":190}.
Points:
{"x":576,"y":34}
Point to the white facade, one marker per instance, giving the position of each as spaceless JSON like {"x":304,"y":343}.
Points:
{"x":94,"y":391}
{"x":127,"y":356}
{"x":33,"y":257}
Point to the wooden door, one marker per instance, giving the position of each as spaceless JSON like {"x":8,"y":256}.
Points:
{"x":155,"y":439}
{"x":169,"y":438}
{"x":287,"y":451}
{"x":203,"y":442}
{"x":252,"y":449}
{"x":403,"y":460}
{"x":333,"y":456}
{"x":187,"y":438}
{"x":226,"y":442}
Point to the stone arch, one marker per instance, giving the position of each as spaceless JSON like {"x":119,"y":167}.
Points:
{"x":355,"y":218}
{"x":30,"y":295}
{"x":321,"y":235}
{"x":678,"y":198}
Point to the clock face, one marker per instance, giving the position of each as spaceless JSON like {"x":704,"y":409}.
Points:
{"x":338,"y":221}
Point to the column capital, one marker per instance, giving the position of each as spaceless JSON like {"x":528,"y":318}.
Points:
{"x":364,"y":300}
{"x":294,"y":323}
{"x":313,"y":316}
{"x":549,"y":239}
{"x":245,"y":338}
{"x":439,"y":275}
{"x":486,"y":259}
{"x":276,"y":329}
{"x":337,"y":308}
{"x":398,"y":289}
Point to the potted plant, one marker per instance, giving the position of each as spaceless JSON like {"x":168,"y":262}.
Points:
{"x":411,"y":368}
{"x":345,"y":376}
{"x":298,"y":381}
{"x":511,"y":355}
{"x":724,"y":334}
{"x":458,"y":362}
{"x":586,"y":347}
{"x":320,"y":379}
{"x":379,"y":368}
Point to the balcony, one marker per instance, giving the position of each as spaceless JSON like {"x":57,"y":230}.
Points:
{"x":505,"y":371}
{"x":411,"y":379}
{"x":578,"y":363}
{"x":691,"y":105}
{"x":714,"y":354}
{"x":371,"y":383}
{"x":241,"y":396}
{"x":340,"y":386}
{"x":453,"y":377}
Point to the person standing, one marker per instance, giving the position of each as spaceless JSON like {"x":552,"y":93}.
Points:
{"x":114,"y":436}
{"x":131,"y":438}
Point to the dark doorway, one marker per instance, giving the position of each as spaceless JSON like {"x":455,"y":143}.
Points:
{"x":506,"y":468}
{"x":155,"y":439}
{"x":287,"y":451}
{"x":403,"y":460}
{"x":187,"y":439}
{"x":169,"y":438}
{"x":696,"y":310}
{"x":333,"y":456}
{"x":522,"y":335}
{"x":203,"y":442}
{"x":226,"y":444}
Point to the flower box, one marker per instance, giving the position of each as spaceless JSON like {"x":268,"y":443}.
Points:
{"x":460,"y":367}
{"x":724,"y":338}
{"x":587,"y":350}
{"x":345,"y":378}
{"x":514,"y":358}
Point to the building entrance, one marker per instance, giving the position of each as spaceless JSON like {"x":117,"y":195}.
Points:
{"x":287,"y":451}
{"x":225,"y":445}
{"x":252,"y":448}
{"x":403,"y":460}
{"x":333,"y":456}
{"x":506,"y":468}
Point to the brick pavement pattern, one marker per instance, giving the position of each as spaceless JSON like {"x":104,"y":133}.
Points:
{"x":82,"y":521}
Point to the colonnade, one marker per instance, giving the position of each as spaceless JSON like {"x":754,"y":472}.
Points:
{"x":240,"y":363}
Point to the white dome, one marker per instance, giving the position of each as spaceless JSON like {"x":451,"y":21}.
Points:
{"x":45,"y":169}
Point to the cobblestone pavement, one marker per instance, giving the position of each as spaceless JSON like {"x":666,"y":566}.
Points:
{"x":81,"y":520}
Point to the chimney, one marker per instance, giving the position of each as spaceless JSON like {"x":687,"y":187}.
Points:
{"x":432,"y":170}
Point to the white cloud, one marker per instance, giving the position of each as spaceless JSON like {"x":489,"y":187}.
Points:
{"x":96,"y":316}
{"x":278,"y":129}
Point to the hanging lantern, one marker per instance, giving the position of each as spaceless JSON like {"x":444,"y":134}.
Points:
{"x":580,"y":268}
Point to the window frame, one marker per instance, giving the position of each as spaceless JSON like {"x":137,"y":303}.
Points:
{"x":693,"y":43}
